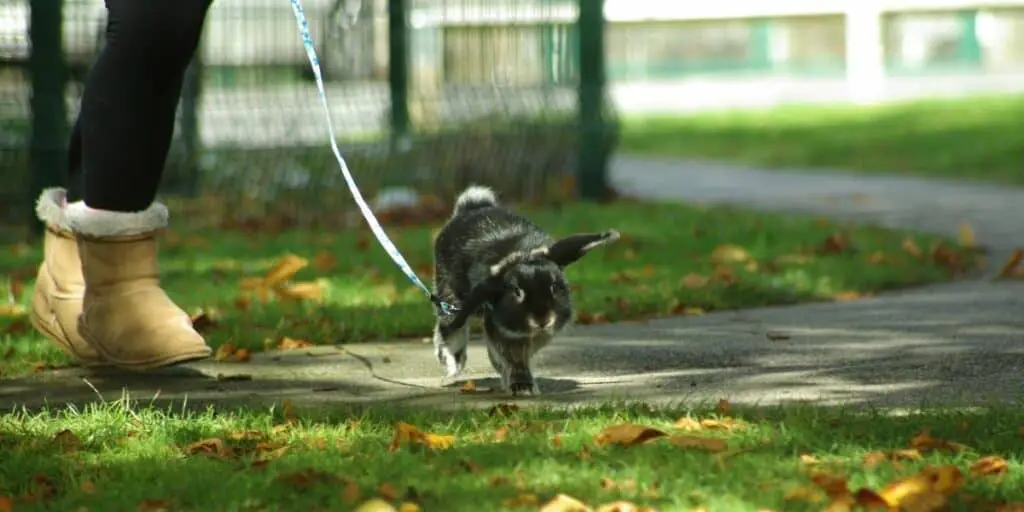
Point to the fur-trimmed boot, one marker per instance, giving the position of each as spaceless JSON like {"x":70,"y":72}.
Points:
{"x":60,"y":287}
{"x":126,"y":316}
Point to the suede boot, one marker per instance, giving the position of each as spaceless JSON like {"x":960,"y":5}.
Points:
{"x":126,"y":316}
{"x":60,"y":287}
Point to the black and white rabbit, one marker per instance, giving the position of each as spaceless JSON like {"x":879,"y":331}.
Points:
{"x":493,"y":263}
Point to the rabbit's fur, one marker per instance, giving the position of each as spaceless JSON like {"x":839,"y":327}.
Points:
{"x":492,"y":263}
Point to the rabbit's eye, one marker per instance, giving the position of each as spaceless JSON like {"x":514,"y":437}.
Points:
{"x":519,"y":294}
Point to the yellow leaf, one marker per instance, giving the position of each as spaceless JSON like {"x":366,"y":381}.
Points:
{"x":922,"y":488}
{"x":409,"y":434}
{"x":687,"y":423}
{"x":224,"y":352}
{"x":251,"y":283}
{"x":292,"y":344}
{"x":12,"y":310}
{"x":564,"y":503}
{"x":468,"y":387}
{"x":911,"y":248}
{"x":804,"y":493}
{"x":407,"y":506}
{"x":695,"y":281}
{"x":924,"y":442}
{"x":376,"y":505}
{"x":989,"y":465}
{"x":710,"y":444}
{"x":284,"y":270}
{"x":627,"y":435}
{"x":523,"y":500}
{"x":966,"y":233}
{"x":728,"y":253}
{"x":310,"y":290}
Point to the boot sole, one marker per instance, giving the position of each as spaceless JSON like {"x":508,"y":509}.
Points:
{"x":163,"y":362}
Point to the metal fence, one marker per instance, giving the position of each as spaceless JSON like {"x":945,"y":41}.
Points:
{"x":490,"y":93}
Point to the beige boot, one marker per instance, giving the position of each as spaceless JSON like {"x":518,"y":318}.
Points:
{"x":59,"y":283}
{"x":126,"y":316}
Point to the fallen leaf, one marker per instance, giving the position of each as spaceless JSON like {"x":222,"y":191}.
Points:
{"x":153,"y":506}
{"x":564,"y":503}
{"x":224,"y":352}
{"x":728,"y":253}
{"x":989,"y":465}
{"x":924,"y":442}
{"x":87,"y":487}
{"x":695,"y":281}
{"x":388,"y":491}
{"x":242,"y":355}
{"x":407,"y":506}
{"x":622,"y":506}
{"x":923,"y":487}
{"x":876,"y":258}
{"x":312,"y":291}
{"x":506,"y":409}
{"x":284,"y":270}
{"x":288,"y":411}
{"x":1010,"y":268}
{"x":468,"y":387}
{"x":307,"y":478}
{"x":12,"y":310}
{"x":808,"y":459}
{"x":873,"y":459}
{"x":966,"y":236}
{"x":500,"y":434}
{"x":910,"y":247}
{"x":6,"y":504}
{"x":627,"y":435}
{"x":835,"y":244}
{"x":804,"y":493}
{"x":350,"y":494}
{"x":324,"y":261}
{"x":287,"y":343}
{"x":213,"y":447}
{"x":710,"y":444}
{"x":723,"y":407}
{"x":409,"y":434}
{"x":522,"y":500}
{"x":67,"y":441}
{"x":376,"y":505}
{"x":848,"y":296}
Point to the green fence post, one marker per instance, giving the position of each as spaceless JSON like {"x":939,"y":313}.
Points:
{"x":49,"y":76}
{"x":594,"y":148}
{"x":398,"y":67}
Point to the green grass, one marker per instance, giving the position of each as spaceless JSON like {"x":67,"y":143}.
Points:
{"x":658,"y":268}
{"x":979,"y":138}
{"x":115,"y":456}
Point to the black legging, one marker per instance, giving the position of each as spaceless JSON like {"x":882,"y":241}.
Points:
{"x":126,"y":122}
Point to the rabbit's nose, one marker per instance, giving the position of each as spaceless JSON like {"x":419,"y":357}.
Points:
{"x":545,"y":322}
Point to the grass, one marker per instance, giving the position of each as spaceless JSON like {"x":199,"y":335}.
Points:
{"x":979,"y":138}
{"x":114,"y":456}
{"x":672,"y":259}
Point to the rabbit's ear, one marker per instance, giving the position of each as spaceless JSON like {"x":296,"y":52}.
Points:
{"x":568,"y":250}
{"x":514,"y":258}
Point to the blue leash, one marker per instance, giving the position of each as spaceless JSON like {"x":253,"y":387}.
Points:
{"x":382,"y":237}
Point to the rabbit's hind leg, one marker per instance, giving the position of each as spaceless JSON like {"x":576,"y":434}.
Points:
{"x":451,"y":350}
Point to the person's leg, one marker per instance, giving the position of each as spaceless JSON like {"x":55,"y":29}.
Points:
{"x":121,"y":140}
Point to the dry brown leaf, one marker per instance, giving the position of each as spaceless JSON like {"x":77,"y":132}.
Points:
{"x":1006,"y":507}
{"x":67,"y":441}
{"x":522,"y":500}
{"x":910,"y":247}
{"x":1010,"y":268}
{"x":243,"y":355}
{"x":324,"y":261}
{"x":407,"y":506}
{"x":351,"y":493}
{"x":687,"y":423}
{"x":284,"y":269}
{"x":836,"y":243}
{"x":564,"y":503}
{"x":710,"y":444}
{"x":153,"y":506}
{"x":875,"y":458}
{"x":468,"y":387}
{"x":729,"y":253}
{"x":627,"y":435}
{"x":6,"y":504}
{"x":500,"y":434}
{"x":695,"y":281}
{"x":310,"y":290}
{"x":389,"y":491}
{"x":225,"y":352}
{"x":924,"y":442}
{"x":287,"y":343}
{"x":723,"y":407}
{"x":87,"y":487}
{"x":213,"y":447}
{"x":989,"y":465}
{"x":376,"y":505}
{"x":409,"y":434}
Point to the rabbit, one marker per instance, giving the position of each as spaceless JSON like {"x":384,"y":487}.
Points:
{"x":492,"y":263}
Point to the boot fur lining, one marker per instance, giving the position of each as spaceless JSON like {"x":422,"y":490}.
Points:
{"x":102,"y":223}
{"x":50,"y":208}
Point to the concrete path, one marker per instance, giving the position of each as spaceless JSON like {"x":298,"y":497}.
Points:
{"x":961,"y":343}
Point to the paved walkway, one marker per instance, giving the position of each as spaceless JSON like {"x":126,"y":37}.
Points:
{"x":960,"y":343}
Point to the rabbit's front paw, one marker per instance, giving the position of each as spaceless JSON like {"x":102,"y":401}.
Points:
{"x":453,"y":363}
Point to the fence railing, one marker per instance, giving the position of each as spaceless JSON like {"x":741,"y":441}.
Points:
{"x":419,"y":102}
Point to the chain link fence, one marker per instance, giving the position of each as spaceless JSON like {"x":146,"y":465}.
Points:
{"x":492,"y":98}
